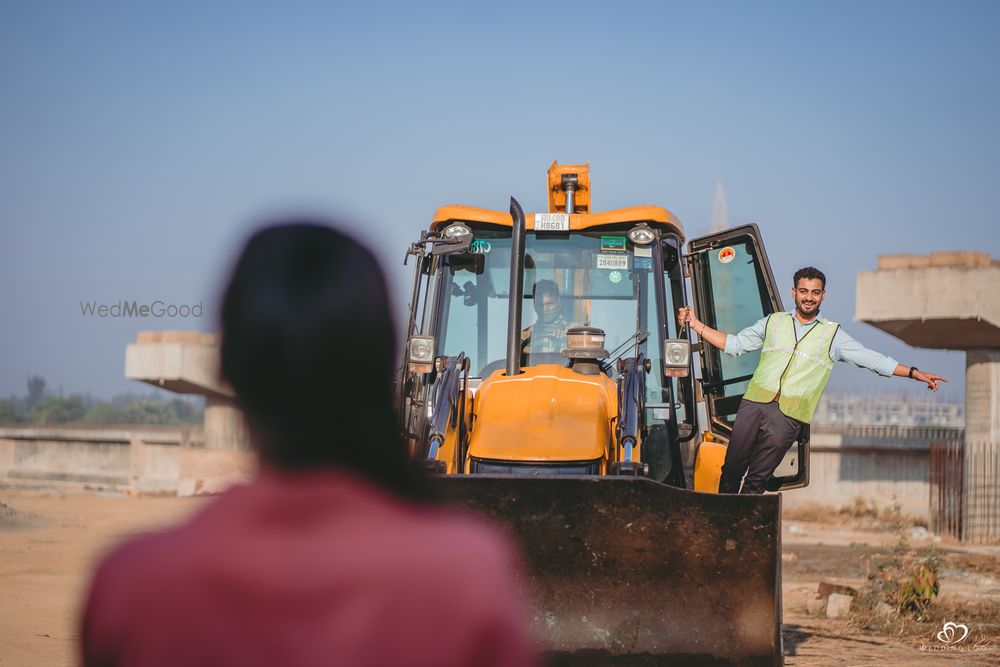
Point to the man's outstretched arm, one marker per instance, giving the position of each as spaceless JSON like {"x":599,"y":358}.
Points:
{"x":846,"y":348}
{"x":932,"y":380}
{"x":706,"y":333}
{"x":747,"y":340}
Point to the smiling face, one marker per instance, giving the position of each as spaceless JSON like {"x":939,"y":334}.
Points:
{"x":808,"y":294}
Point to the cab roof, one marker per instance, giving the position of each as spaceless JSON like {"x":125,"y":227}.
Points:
{"x":657,"y":216}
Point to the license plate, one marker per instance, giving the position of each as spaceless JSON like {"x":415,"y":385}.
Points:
{"x":551,"y":222}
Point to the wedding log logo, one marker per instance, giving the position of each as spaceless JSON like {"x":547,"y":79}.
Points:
{"x":949,"y":634}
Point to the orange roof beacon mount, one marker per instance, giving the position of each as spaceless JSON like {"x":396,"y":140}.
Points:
{"x":545,"y":380}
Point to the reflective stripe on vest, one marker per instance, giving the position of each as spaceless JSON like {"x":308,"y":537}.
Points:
{"x":793,"y":371}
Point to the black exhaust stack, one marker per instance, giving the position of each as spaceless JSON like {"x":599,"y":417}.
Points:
{"x":516,"y":289}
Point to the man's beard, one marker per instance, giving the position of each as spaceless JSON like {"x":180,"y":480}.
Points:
{"x":813,"y":309}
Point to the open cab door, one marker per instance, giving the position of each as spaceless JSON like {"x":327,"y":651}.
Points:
{"x":733,"y":288}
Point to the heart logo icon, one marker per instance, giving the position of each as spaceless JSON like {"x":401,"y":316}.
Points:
{"x":948,"y":633}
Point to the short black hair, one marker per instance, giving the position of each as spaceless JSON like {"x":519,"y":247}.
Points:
{"x":809,"y":273}
{"x":544,"y":286}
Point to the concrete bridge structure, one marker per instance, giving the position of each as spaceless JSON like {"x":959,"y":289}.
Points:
{"x":138,"y":458}
{"x":944,"y":301}
{"x":187,"y":362}
{"x":951,"y":301}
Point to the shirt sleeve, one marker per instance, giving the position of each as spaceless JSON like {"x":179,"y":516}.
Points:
{"x":847,"y":349}
{"x":747,"y":340}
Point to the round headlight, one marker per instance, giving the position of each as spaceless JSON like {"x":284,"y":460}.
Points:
{"x":457,"y":230}
{"x":641,"y":235}
{"x":677,"y":353}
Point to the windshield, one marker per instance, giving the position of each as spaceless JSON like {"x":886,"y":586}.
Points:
{"x":597,"y":278}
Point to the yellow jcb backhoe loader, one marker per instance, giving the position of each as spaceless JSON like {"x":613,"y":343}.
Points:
{"x":564,"y":414}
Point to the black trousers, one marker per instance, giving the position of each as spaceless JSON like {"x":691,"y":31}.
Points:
{"x":761,"y":436}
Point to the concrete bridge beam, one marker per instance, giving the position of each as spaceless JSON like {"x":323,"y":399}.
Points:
{"x":187,"y":362}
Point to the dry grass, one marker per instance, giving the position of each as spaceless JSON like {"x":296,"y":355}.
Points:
{"x":860,"y":513}
{"x":902,"y":580}
{"x":982,"y":618}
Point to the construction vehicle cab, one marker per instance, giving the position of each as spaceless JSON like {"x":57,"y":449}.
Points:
{"x":546,"y":377}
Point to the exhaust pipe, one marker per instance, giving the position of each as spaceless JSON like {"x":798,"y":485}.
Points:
{"x":516,"y":289}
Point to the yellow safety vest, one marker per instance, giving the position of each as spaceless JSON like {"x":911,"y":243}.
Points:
{"x":793,"y":372}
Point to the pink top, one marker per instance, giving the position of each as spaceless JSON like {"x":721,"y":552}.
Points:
{"x":316,"y":568}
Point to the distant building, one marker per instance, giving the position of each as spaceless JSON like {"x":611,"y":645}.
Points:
{"x":862,"y":410}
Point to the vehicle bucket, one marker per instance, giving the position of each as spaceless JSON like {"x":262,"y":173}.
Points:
{"x":629,"y":571}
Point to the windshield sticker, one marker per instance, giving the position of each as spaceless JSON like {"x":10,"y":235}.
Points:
{"x":551,"y":222}
{"x":612,"y":244}
{"x":642,"y":263}
{"x":614,"y":262}
{"x":643,"y":251}
{"x":615,"y":277}
{"x":480,"y":247}
{"x":727,"y":255}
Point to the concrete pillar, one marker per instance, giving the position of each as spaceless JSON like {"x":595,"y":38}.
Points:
{"x":981,"y":459}
{"x":949,"y":300}
{"x":187,"y":362}
{"x":225,"y":427}
{"x":982,"y":396}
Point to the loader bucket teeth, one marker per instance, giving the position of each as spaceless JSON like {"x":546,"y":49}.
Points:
{"x":629,"y":571}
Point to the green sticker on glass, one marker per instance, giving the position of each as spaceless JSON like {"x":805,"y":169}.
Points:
{"x":612,"y":244}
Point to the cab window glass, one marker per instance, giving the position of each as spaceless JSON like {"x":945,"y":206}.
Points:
{"x":738,"y":297}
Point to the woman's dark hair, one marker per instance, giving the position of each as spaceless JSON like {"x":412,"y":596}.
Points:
{"x":309,"y":346}
{"x":808,"y":273}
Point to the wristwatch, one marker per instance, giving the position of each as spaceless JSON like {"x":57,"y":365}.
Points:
{"x":912,"y":368}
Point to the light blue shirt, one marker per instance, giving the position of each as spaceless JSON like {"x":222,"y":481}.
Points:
{"x":844,"y":348}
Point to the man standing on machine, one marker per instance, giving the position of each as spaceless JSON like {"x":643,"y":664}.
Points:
{"x":797,"y":354}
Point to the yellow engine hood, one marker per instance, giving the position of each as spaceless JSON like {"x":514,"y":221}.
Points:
{"x":548,"y":413}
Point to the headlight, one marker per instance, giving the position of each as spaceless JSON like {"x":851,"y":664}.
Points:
{"x":641,"y":234}
{"x":420,"y":354}
{"x":676,"y":358}
{"x":457,"y":231}
{"x":422,"y":349}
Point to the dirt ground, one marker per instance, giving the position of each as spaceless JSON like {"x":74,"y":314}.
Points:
{"x":842,"y":551}
{"x":49,"y":543}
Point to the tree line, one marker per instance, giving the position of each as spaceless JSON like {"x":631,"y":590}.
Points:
{"x":39,"y":406}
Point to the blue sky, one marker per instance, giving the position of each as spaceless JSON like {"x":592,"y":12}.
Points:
{"x":139,"y":142}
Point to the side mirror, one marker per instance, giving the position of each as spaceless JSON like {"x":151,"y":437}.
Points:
{"x":676,"y":358}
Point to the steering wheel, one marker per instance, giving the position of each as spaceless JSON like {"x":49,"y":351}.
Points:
{"x":537,"y":358}
{"x":492,"y":366}
{"x":552,"y":344}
